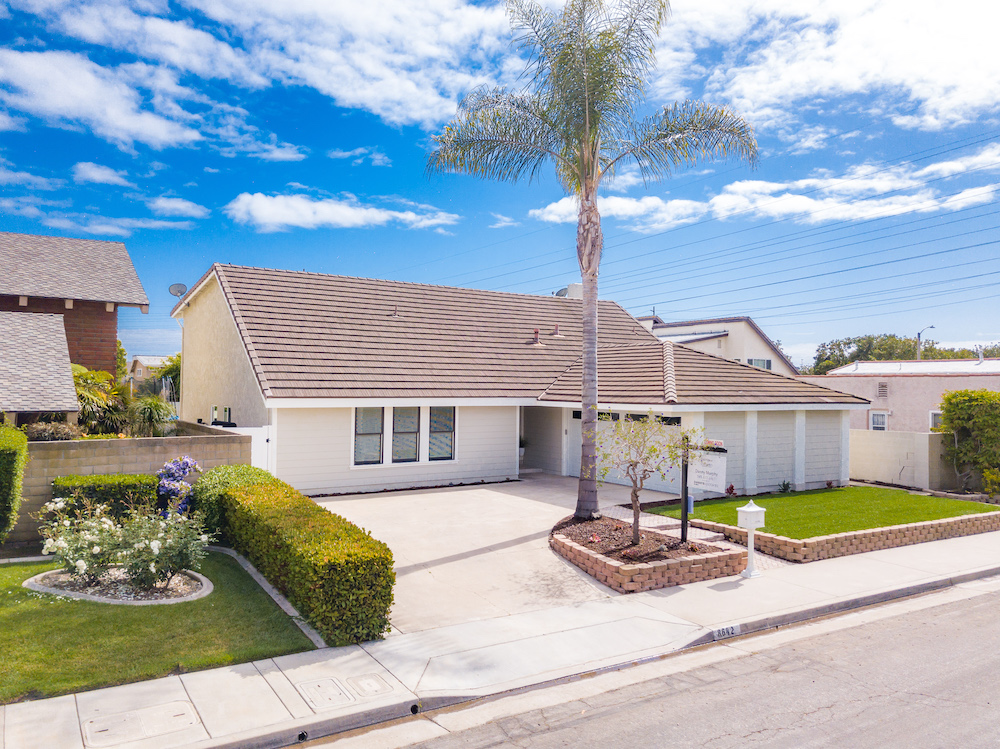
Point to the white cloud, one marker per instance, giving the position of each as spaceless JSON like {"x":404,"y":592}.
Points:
{"x":358,"y":156}
{"x":864,"y":191}
{"x":10,"y":123}
{"x":31,"y":181}
{"x":68,"y":90}
{"x":502,"y":222}
{"x":624,"y":180}
{"x":164,"y":206}
{"x":210,"y":170}
{"x":268,"y":213}
{"x":87,"y":171}
{"x":110,"y":226}
{"x":30,"y":206}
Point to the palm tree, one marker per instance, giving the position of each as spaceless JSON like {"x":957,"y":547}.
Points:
{"x":589,"y":66}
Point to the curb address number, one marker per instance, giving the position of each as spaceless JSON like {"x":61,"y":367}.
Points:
{"x":724,"y":632}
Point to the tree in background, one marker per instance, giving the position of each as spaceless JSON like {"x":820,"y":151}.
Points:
{"x":172,"y":371}
{"x":886,"y":347}
{"x":589,"y":67}
{"x":121,"y":363}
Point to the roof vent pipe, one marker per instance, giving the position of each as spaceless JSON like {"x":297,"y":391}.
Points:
{"x":535,"y":341}
{"x":555,"y":332}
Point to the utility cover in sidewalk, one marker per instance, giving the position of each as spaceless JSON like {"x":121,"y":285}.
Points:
{"x":368,"y":685}
{"x":323,"y":694}
{"x":135,"y":725}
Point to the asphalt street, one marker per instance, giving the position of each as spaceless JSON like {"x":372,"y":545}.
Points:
{"x":925,"y":678}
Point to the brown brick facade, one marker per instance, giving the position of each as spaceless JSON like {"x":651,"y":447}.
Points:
{"x":858,"y":542}
{"x":91,"y":331}
{"x":632,"y":578}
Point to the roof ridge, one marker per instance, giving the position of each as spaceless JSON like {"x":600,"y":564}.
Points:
{"x":669,"y":376}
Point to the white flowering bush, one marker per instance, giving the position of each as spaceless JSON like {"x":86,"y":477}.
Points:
{"x":156,"y":548}
{"x":86,"y":541}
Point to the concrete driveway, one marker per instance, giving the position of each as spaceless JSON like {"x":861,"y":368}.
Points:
{"x":477,"y":552}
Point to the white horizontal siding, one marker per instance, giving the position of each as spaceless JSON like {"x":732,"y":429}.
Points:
{"x":822,"y":446}
{"x":775,"y":448}
{"x":730,"y":428}
{"x":315,"y":446}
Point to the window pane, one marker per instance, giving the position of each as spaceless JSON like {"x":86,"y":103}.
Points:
{"x":368,"y":421}
{"x":406,"y":419}
{"x":404,"y":448}
{"x":442,"y":446}
{"x":367,"y":449}
{"x":442,"y":419}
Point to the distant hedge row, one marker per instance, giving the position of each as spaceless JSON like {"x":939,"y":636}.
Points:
{"x":13,"y":456}
{"x":120,"y":492}
{"x":335,"y":573}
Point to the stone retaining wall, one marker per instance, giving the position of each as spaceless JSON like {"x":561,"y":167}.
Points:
{"x":857,"y":542}
{"x":48,"y":460}
{"x":627,"y":577}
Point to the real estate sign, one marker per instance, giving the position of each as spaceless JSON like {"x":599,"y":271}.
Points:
{"x":707,"y":470}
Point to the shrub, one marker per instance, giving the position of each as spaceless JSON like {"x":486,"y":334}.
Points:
{"x":121,"y":492}
{"x":337,"y":575}
{"x":147,"y":416}
{"x":205,"y":496}
{"x":154,"y":549}
{"x":972,"y":417}
{"x":51,"y":431}
{"x":13,"y":456}
{"x":85,"y":542}
{"x":172,"y":488}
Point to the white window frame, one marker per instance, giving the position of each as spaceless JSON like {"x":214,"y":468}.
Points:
{"x":765,"y":364}
{"x":871,"y":421}
{"x":930,"y":419}
{"x":423,"y":444}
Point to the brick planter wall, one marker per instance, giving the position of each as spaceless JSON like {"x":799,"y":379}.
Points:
{"x":48,"y":460}
{"x":857,"y":542}
{"x":627,"y":577}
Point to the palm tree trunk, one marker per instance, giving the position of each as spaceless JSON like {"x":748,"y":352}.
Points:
{"x":589,"y":243}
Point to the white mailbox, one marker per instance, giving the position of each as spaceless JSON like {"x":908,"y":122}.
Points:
{"x":750,"y":517}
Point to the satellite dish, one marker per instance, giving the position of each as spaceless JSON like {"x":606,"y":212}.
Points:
{"x":562,"y":292}
{"x":178,"y":289}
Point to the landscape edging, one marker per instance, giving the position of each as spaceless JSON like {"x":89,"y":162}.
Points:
{"x":628,"y":577}
{"x":857,"y":542}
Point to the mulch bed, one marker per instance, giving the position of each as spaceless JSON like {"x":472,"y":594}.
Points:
{"x":115,"y":585}
{"x":613,"y":539}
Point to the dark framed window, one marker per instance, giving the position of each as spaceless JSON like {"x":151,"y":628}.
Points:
{"x":442,"y":436}
{"x":405,"y":434}
{"x":368,"y":436}
{"x":578,"y":414}
{"x":674,"y":421}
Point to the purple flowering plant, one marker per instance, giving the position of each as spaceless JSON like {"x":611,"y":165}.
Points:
{"x":172,"y":489}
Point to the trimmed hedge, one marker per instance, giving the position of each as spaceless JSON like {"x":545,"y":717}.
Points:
{"x":13,"y":456}
{"x":335,"y":573}
{"x":119,"y":491}
{"x":207,"y":493}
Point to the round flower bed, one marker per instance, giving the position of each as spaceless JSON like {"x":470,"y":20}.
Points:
{"x":114,"y":587}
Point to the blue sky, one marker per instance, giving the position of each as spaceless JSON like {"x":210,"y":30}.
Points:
{"x":294,"y":135}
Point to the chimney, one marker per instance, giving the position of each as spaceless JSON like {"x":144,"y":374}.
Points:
{"x":574,"y":291}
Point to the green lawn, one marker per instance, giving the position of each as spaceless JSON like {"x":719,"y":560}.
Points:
{"x":826,"y":511}
{"x":53,"y":645}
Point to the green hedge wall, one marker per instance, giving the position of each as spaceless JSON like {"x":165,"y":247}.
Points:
{"x":13,"y":456}
{"x":119,"y":491}
{"x":335,"y":573}
{"x":208,"y":491}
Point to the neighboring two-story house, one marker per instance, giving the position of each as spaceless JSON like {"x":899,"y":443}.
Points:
{"x":738,"y":339}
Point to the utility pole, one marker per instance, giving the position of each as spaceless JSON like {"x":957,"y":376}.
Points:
{"x":929,"y":327}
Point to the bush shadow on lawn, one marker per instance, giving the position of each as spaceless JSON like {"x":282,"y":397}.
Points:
{"x":55,"y":645}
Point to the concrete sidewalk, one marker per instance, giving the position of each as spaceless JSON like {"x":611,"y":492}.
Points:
{"x":280,"y":701}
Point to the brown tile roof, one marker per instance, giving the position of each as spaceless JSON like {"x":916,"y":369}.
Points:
{"x":63,"y":268}
{"x":35,"y":374}
{"x":322,"y":336}
{"x":669,"y":373}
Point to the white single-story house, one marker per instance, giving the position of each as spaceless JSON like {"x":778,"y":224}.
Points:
{"x":352,"y":384}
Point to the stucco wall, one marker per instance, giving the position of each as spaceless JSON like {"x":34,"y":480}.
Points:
{"x":49,"y":460}
{"x":742,"y":343}
{"x":215,"y":369}
{"x":910,"y":399}
{"x":906,"y":458}
{"x":314,"y":447}
{"x":543,"y":432}
{"x":775,"y":448}
{"x":91,"y":331}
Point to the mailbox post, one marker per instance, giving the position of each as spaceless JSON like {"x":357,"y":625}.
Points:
{"x":750,"y":517}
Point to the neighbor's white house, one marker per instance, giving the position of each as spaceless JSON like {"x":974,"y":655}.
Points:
{"x":352,"y":384}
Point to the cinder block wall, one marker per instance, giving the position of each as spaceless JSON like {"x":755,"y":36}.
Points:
{"x":906,"y":458}
{"x":49,"y":460}
{"x":91,"y":331}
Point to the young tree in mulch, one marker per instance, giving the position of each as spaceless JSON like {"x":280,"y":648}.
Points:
{"x":640,"y":449}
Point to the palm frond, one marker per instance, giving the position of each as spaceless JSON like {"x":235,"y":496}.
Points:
{"x":682,"y":135}
{"x":499,"y":135}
